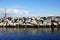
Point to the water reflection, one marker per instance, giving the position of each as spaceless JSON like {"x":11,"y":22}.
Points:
{"x":29,"y":34}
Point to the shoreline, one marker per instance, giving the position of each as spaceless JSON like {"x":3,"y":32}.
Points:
{"x":29,"y":26}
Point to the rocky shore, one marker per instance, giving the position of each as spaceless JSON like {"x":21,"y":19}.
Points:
{"x":30,"y":22}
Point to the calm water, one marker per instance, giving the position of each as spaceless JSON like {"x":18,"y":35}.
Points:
{"x":29,"y":34}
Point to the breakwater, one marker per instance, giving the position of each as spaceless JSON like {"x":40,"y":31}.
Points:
{"x":30,"y":22}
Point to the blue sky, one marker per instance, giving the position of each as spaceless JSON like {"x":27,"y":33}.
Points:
{"x":32,"y":7}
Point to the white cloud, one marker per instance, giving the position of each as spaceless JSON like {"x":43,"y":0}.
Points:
{"x":15,"y":11}
{"x":50,"y":15}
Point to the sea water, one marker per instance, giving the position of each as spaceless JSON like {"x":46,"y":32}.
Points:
{"x":29,"y":34}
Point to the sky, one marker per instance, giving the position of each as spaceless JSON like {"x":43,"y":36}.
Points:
{"x":17,"y":8}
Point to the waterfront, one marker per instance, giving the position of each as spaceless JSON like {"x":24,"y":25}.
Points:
{"x":29,"y":34}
